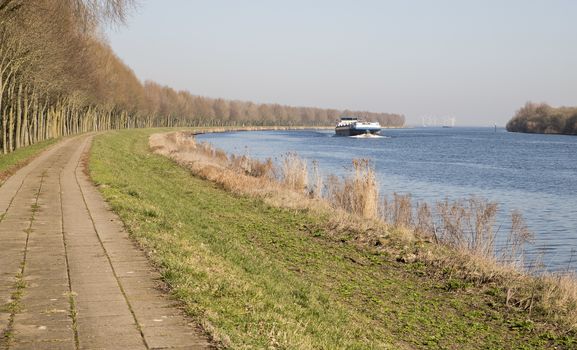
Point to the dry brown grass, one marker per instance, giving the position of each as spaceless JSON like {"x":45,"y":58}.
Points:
{"x":468,"y":225}
{"x":238,"y":174}
{"x":247,"y":165}
{"x":519,"y":235}
{"x":424,"y":223}
{"x":316,"y":191}
{"x":294,"y":172}
{"x":453,"y":238}
{"x":558,"y":297}
{"x":357,"y":194}
{"x":403,"y":211}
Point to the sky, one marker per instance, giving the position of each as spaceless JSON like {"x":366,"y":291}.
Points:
{"x":477,"y":61}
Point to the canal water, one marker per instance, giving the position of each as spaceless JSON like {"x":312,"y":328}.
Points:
{"x":535,"y":174}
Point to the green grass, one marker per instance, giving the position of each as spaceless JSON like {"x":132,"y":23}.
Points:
{"x":13,"y":161}
{"x":261,"y":277}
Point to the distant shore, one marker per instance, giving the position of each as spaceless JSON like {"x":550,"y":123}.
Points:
{"x":543,"y":119}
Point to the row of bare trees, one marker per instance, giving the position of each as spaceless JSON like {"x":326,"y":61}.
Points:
{"x":182,"y":108}
{"x":58,"y":77}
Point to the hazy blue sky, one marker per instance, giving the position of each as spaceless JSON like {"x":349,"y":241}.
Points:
{"x":477,"y":61}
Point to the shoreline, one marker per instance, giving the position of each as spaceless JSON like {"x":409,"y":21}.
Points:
{"x":262,"y":256}
{"x":430,"y":177}
{"x":474,"y":265}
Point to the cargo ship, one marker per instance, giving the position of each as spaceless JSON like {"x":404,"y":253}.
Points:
{"x":352,"y":126}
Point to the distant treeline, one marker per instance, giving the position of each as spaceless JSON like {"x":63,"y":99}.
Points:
{"x":58,"y":77}
{"x":183,"y":108}
{"x":544,"y":119}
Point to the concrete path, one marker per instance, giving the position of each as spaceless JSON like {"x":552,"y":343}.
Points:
{"x":70,"y":278}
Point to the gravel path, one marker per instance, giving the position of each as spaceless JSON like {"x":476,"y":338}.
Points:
{"x":70,"y":277}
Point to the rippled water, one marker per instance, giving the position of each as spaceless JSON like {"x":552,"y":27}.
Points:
{"x":536,"y":174}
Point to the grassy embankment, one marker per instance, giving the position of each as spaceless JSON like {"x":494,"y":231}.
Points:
{"x":11,"y":162}
{"x":258,"y":276}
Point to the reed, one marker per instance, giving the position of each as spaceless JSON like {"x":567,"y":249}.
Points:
{"x":294,"y":173}
{"x":402,"y":211}
{"x":358,"y":193}
{"x":468,"y":225}
{"x":316,"y":191}
{"x":424,"y":222}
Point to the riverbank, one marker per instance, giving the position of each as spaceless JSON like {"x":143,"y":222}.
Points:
{"x":543,"y":119}
{"x":256,"y":275}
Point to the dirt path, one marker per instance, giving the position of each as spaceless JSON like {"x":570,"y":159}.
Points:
{"x":70,"y":278}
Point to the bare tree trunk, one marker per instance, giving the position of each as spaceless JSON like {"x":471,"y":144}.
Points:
{"x":11,"y":130}
{"x":4,"y":131}
{"x":43,"y":121}
{"x":24,"y":137}
{"x":4,"y":119}
{"x":10,"y":121}
{"x":18,"y":116}
{"x":35,"y":117}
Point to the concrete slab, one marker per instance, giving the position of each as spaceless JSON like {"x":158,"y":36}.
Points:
{"x":50,"y":345}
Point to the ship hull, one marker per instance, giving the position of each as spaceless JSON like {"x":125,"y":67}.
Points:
{"x":351,"y":131}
